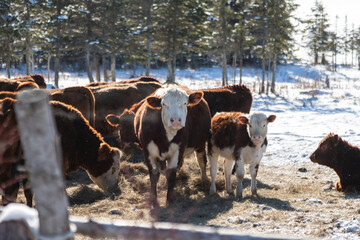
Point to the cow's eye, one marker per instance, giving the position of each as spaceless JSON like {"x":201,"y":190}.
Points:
{"x":264,"y":126}
{"x":250,"y":126}
{"x":163,"y":104}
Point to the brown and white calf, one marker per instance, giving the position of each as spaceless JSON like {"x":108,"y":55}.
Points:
{"x":239,"y":140}
{"x":336,"y":153}
{"x":167,"y":125}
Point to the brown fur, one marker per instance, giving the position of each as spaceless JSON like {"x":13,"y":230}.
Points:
{"x":36,"y":78}
{"x":134,"y":80}
{"x":114,"y":100}
{"x":235,"y":98}
{"x":336,"y":153}
{"x":82,"y":146}
{"x":79,"y":97}
{"x":227,"y":130}
{"x":13,"y":85}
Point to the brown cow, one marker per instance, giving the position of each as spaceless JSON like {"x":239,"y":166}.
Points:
{"x":169,"y":125}
{"x":238,"y":139}
{"x":81,"y":147}
{"x":79,"y":97}
{"x":343,"y":158}
{"x":235,"y":98}
{"x":36,"y":78}
{"x":114,"y":100}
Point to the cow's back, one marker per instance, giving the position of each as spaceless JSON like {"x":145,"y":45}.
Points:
{"x":79,"y":97}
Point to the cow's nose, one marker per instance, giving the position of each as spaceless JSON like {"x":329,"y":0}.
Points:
{"x":175,"y":120}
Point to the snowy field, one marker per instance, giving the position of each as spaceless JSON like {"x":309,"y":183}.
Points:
{"x":306,"y":112}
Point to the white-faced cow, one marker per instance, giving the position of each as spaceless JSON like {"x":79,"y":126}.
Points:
{"x":167,"y":125}
{"x":241,"y":140}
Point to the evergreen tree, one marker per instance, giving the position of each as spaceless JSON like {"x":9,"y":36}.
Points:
{"x":9,"y":34}
{"x":176,"y":24}
{"x":318,"y":34}
{"x":220,"y":16}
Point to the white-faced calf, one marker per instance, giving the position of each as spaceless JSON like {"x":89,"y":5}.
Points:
{"x":238,"y":139}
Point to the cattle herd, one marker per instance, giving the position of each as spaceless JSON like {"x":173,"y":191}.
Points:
{"x":168,"y":122}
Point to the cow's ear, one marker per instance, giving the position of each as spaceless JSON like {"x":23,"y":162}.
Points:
{"x":244,"y":119}
{"x":153,"y":102}
{"x":104,"y":151}
{"x":113,"y":120}
{"x":195,"y":97}
{"x":271,"y":118}
{"x":336,"y":139}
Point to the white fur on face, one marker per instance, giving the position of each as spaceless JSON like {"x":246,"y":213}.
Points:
{"x":109,"y":179}
{"x":174,"y":103}
{"x":257,"y":127}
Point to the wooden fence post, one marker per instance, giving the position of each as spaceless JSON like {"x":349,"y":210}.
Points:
{"x":41,"y":147}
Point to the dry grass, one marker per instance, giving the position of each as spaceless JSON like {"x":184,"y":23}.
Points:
{"x":300,"y":203}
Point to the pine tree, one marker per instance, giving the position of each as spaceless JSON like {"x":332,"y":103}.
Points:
{"x":220,"y":16}
{"x":9,"y":34}
{"x":240,"y":30}
{"x":318,"y":35}
{"x":176,"y":24}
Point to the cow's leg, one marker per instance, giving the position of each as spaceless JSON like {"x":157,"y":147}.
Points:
{"x":171,"y":178}
{"x":28,"y":193}
{"x":253,"y":173}
{"x":154,"y":171}
{"x":10,"y":194}
{"x":240,"y":172}
{"x":228,"y":166}
{"x":154,"y":178}
{"x":201,"y":158}
{"x":171,"y":172}
{"x":213,"y":171}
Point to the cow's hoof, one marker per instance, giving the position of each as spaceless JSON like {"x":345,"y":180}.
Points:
{"x":254,"y":192}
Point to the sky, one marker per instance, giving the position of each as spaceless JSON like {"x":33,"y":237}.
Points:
{"x":341,"y":8}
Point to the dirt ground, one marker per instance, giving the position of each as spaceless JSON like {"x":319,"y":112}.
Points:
{"x":295,"y":200}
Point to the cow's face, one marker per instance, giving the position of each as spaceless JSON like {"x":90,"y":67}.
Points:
{"x":108,"y":179}
{"x":257,"y":126}
{"x":125,"y":126}
{"x":173,"y":103}
{"x":326,"y":152}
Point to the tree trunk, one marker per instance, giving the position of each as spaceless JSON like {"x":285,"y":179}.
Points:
{"x":148,"y":37}
{"x":234,"y":67}
{"x":97,"y":67}
{"x":241,"y":66}
{"x":224,"y":67}
{"x":28,"y":55}
{"x":273,"y":74}
{"x":48,"y":65}
{"x":88,"y":64}
{"x":113,"y":65}
{"x":33,"y":61}
{"x":57,"y":68}
{"x":170,"y":71}
{"x":104,"y":68}
{"x":8,"y":67}
{"x":263,"y":62}
{"x":57,"y":46}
